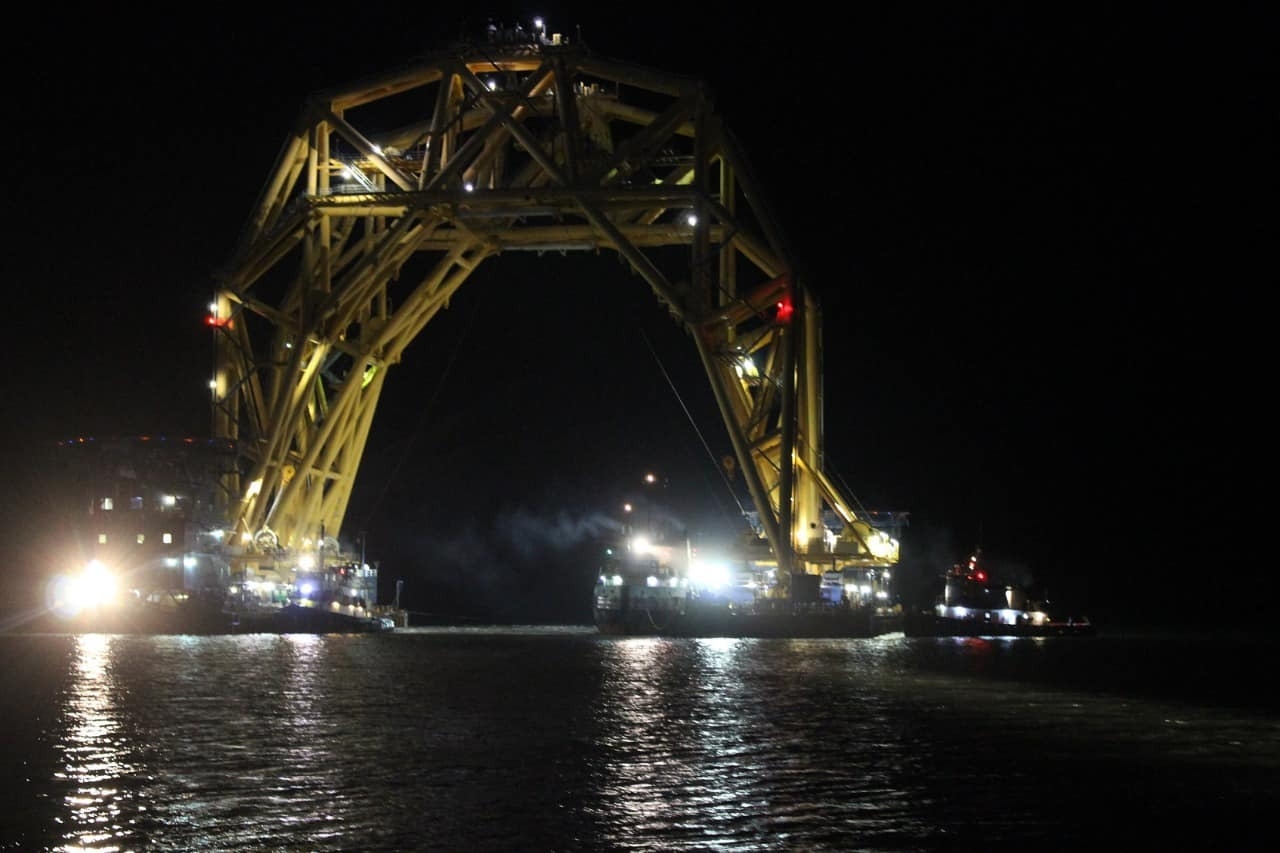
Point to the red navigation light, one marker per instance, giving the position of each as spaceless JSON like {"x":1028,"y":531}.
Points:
{"x":785,"y":309}
{"x":980,"y":575}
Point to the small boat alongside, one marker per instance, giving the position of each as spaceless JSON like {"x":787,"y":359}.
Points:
{"x":974,"y":603}
{"x":294,"y":618}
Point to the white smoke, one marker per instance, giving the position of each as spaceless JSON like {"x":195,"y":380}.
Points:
{"x":531,"y":536}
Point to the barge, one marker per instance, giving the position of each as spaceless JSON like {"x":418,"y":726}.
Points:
{"x":652,"y":590}
{"x":150,"y":552}
{"x":75,"y":607}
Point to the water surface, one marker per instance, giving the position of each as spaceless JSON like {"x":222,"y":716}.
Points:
{"x":559,"y":739}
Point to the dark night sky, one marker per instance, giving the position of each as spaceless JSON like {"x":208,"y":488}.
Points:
{"x":1033,"y":233}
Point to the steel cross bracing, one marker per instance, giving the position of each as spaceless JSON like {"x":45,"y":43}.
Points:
{"x":362,"y":234}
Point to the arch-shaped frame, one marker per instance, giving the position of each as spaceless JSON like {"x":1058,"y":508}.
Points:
{"x":390,"y":193}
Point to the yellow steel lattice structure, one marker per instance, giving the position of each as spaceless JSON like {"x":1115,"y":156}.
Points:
{"x":391,"y":192}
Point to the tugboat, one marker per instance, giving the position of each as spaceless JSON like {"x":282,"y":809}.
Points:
{"x":974,"y":603}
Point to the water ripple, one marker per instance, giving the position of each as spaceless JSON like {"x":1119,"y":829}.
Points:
{"x":562,"y":740}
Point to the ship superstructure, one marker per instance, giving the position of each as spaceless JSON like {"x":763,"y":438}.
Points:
{"x":146,"y":549}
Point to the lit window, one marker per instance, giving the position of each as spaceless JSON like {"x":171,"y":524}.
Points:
{"x":168,"y":538}
{"x":102,"y":539}
{"x":108,"y":504}
{"x":142,"y":537}
{"x":136,"y":502}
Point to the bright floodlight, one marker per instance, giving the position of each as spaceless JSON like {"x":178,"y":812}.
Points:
{"x":99,"y":585}
{"x":709,"y":574}
{"x":882,"y":545}
{"x":93,"y":587}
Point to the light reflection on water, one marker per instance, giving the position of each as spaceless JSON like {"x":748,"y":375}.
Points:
{"x":95,"y":749}
{"x":562,"y":740}
{"x":752,"y":743}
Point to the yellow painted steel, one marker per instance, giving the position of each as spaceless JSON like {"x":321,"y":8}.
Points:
{"x":363,"y":232}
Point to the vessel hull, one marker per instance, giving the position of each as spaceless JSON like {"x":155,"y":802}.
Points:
{"x":199,"y":618}
{"x":816,"y":624}
{"x":929,"y":625}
